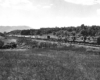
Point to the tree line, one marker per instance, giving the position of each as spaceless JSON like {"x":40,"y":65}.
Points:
{"x":65,"y":31}
{"x":82,"y":30}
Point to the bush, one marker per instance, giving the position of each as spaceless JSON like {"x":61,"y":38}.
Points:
{"x":9,"y":45}
{"x":13,"y":45}
{"x":46,"y":45}
{"x":34,"y":44}
{"x":1,"y":43}
{"x":98,"y":40}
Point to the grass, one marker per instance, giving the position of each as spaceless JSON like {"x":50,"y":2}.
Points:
{"x":48,"y":64}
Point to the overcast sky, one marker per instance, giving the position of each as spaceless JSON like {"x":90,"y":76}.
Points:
{"x":49,"y":13}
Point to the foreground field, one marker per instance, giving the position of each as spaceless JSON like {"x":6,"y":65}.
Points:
{"x":49,"y":64}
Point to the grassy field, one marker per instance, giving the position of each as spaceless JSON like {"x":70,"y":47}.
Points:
{"x":49,"y":64}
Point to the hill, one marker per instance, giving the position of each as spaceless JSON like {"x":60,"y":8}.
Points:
{"x":11,"y":28}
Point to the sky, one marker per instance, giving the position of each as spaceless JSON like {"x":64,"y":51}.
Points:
{"x":49,"y":13}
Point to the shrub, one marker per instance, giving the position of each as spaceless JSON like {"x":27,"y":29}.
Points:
{"x":13,"y":45}
{"x":34,"y":44}
{"x":1,"y":43}
{"x":46,"y":45}
{"x":98,"y":40}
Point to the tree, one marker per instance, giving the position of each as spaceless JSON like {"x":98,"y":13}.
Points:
{"x":25,"y":32}
{"x":98,"y":40}
{"x":84,"y":32}
{"x":93,"y":30}
{"x":73,"y":36}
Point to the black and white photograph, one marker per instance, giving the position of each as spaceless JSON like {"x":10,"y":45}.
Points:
{"x":49,"y":39}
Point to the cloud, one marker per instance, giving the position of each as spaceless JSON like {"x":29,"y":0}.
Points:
{"x":23,"y":5}
{"x":18,"y":4}
{"x":48,"y":6}
{"x":98,"y":11}
{"x":84,"y":2}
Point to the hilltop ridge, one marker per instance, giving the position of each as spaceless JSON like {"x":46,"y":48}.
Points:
{"x":11,"y":28}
